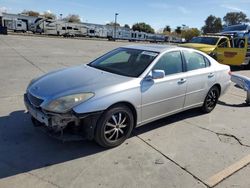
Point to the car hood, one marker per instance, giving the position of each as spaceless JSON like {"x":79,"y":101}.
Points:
{"x":73,"y":80}
{"x":206,"y":48}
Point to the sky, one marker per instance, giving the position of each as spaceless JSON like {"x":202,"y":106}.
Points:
{"x":157,"y":13}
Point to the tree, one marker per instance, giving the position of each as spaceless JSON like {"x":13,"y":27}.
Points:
{"x":233,"y":18}
{"x":143,"y":27}
{"x":49,"y":15}
{"x":73,"y":18}
{"x":188,"y":34}
{"x":127,"y":26}
{"x":212,"y":25}
{"x":178,"y":30}
{"x":30,"y":13}
{"x":113,"y":24}
{"x":167,"y":29}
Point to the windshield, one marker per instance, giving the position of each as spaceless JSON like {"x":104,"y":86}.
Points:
{"x":125,"y":61}
{"x":235,"y":28}
{"x":205,"y":40}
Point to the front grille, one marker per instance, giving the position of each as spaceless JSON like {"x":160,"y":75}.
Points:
{"x":34,"y":100}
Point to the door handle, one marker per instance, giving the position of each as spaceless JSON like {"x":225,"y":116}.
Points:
{"x":182,"y":81}
{"x":211,"y":75}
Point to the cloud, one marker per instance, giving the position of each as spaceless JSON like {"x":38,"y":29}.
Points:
{"x":183,"y":10}
{"x":3,"y":9}
{"x":159,"y":5}
{"x":49,"y":11}
{"x":232,"y":8}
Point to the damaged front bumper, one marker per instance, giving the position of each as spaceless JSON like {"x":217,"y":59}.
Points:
{"x":65,"y":127}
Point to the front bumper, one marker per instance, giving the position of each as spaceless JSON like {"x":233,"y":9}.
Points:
{"x":69,"y":126}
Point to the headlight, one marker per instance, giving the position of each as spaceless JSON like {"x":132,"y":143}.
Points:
{"x":64,"y":104}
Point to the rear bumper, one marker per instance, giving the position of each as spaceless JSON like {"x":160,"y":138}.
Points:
{"x":65,"y":127}
{"x":225,"y":87}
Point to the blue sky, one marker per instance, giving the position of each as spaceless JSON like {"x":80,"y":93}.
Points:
{"x":157,"y":13}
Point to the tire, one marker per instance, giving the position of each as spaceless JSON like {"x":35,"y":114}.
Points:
{"x":211,"y":100}
{"x":114,"y":126}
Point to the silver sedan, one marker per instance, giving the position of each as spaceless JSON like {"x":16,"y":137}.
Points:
{"x":127,"y":87}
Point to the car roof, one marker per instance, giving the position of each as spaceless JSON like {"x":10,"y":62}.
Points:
{"x":149,"y":47}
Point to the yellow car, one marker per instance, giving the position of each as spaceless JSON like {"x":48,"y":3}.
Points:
{"x":226,"y":49}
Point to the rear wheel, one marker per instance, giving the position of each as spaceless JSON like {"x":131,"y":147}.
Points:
{"x":211,"y":99}
{"x":114,"y":126}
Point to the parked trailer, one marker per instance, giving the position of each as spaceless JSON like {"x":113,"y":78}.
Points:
{"x":38,"y":25}
{"x":15,"y":25}
{"x":64,"y":28}
{"x":127,"y":34}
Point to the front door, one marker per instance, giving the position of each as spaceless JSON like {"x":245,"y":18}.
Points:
{"x":165,"y":96}
{"x":232,"y":55}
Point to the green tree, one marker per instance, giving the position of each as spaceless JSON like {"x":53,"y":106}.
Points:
{"x":127,"y":26}
{"x":73,"y":18}
{"x":113,"y":24}
{"x":212,"y":25}
{"x":143,"y":27}
{"x":30,"y":13}
{"x":188,"y":34}
{"x":178,"y":30}
{"x":233,"y":18}
{"x":167,"y":29}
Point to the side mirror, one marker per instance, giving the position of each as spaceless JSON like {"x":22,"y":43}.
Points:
{"x":157,"y":74}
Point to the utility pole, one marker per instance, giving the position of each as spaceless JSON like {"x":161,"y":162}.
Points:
{"x":116,"y":14}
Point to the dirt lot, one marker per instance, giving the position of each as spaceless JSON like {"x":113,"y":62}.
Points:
{"x":185,"y":150}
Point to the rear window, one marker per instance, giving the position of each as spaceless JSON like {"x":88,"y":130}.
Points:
{"x":195,"y":61}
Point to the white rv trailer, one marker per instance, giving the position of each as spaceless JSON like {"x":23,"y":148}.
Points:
{"x":38,"y":25}
{"x":15,"y":25}
{"x":52,"y":27}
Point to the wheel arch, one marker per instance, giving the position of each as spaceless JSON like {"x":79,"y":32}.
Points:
{"x":130,"y":106}
{"x":218,"y":86}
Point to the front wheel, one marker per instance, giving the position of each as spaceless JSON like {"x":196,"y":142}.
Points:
{"x":114,"y":126}
{"x":211,"y":100}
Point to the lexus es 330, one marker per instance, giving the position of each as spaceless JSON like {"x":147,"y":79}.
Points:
{"x":127,"y":87}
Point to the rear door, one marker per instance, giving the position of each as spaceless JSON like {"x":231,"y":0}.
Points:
{"x":200,"y":78}
{"x":232,"y":55}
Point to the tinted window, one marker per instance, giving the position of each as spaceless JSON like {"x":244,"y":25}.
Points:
{"x":125,"y":61}
{"x":170,"y":62}
{"x":194,"y":60}
{"x":205,"y":40}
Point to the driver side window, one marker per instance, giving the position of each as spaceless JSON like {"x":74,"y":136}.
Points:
{"x":223,"y":43}
{"x":170,"y":62}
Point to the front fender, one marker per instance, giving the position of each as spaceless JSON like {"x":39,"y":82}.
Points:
{"x":132,"y":96}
